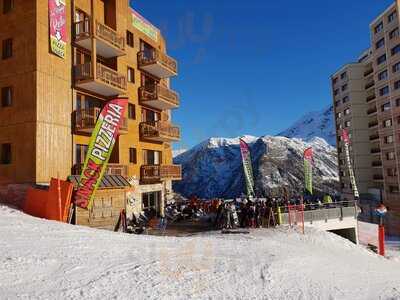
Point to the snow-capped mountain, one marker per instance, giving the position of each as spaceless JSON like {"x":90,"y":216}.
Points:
{"x":314,"y":124}
{"x":214,"y":167}
{"x":177,"y":152}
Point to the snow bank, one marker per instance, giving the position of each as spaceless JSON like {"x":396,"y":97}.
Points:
{"x":43,"y":259}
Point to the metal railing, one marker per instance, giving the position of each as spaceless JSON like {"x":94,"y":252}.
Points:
{"x":322,"y":212}
{"x":82,"y":29}
{"x":159,"y":129}
{"x":155,"y":56}
{"x":157,"y":92}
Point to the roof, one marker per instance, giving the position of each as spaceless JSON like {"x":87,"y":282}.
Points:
{"x":108,"y":181}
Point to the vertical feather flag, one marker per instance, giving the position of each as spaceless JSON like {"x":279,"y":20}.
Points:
{"x":247,"y":167}
{"x":100,"y":147}
{"x":346,"y":141}
{"x":308,"y":170}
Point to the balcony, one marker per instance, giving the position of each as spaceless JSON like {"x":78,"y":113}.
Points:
{"x":375,"y":151}
{"x":157,"y":63}
{"x":108,"y":42}
{"x":158,"y":97}
{"x":370,"y":98}
{"x":85,"y":121}
{"x":373,"y":124}
{"x":159,"y":131}
{"x":374,"y":137}
{"x":377,"y":177}
{"x":372,"y":111}
{"x":112,"y":169}
{"x":157,"y":173}
{"x":377,"y":164}
{"x":369,"y":85}
{"x":368,"y":72}
{"x":107,"y":81}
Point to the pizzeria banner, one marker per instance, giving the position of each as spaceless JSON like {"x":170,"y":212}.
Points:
{"x":308,"y":161}
{"x":99,"y":150}
{"x":58,"y":27}
{"x":247,"y":167}
{"x":144,"y":26}
{"x":346,"y":141}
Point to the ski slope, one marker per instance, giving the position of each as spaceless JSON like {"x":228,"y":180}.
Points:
{"x":49,"y":260}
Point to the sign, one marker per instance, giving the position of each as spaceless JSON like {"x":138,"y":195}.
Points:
{"x":346,"y":140}
{"x":99,"y":150}
{"x":144,"y":26}
{"x":368,"y":234}
{"x":381,"y":210}
{"x":308,"y":160}
{"x":58,"y":27}
{"x":247,"y":167}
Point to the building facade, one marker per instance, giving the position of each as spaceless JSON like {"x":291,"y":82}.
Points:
{"x":50,"y":104}
{"x":373,"y":119}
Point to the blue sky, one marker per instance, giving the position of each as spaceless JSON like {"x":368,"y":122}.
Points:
{"x":254,"y":67}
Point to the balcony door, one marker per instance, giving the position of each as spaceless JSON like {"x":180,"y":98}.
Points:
{"x":80,"y":154}
{"x":150,"y":115}
{"x":151,"y":157}
{"x":148,"y":51}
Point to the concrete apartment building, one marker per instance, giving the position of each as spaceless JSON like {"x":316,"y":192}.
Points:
{"x":373,"y":119}
{"x":49,"y":104}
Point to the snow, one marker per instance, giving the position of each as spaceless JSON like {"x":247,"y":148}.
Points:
{"x":49,"y":260}
{"x":314,"y":124}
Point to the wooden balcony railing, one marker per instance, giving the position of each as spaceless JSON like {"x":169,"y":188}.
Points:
{"x":368,"y":72}
{"x":371,"y":111}
{"x":110,"y":76}
{"x":373,"y":124}
{"x":83,"y":71}
{"x":369,"y":84}
{"x":370,"y":98}
{"x":157,"y":57}
{"x":155,"y":173}
{"x":159,"y":129}
{"x":112,"y":169}
{"x":85,"y":120}
{"x":157,"y":92}
{"x":110,"y":35}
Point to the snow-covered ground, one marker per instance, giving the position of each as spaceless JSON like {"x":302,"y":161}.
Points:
{"x":49,"y":260}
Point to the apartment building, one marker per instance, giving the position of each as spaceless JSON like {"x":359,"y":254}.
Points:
{"x":50,"y":100}
{"x":375,"y":129}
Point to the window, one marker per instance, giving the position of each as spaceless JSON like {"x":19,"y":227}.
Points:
{"x":379,"y":27}
{"x":389,"y":139}
{"x":380,"y":43}
{"x":334,"y":80}
{"x":129,"y":39}
{"x":5,"y":154}
{"x":7,"y":6}
{"x":337,"y":103}
{"x":384,"y":91}
{"x":381,"y":59}
{"x":345,"y":99}
{"x":132,"y":156}
{"x":7,"y":48}
{"x":151,"y":200}
{"x":395,"y":50}
{"x":80,"y":155}
{"x":131,"y":75}
{"x":385,"y":106}
{"x":347,"y":111}
{"x":343,"y":76}
{"x":338,"y":115}
{"x":390,"y":156}
{"x":394,"y":189}
{"x":6,"y":96}
{"x":387,"y":123}
{"x":344,"y":87}
{"x":394,"y":33}
{"x":383,"y":75}
{"x":392,"y":16}
{"x":396,"y":67}
{"x":396,"y":85}
{"x":131,"y":111}
{"x":335,"y":92}
{"x":391,"y":172}
{"x":347,"y":124}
